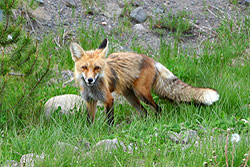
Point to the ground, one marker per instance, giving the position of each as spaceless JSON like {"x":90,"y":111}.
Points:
{"x":113,"y":17}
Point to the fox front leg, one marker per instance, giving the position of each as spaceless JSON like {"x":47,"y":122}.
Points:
{"x":91,"y":107}
{"x":110,"y":109}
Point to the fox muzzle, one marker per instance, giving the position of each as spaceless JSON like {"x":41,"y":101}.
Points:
{"x":89,"y":81}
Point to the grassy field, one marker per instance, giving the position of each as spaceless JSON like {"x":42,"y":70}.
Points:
{"x":222,"y":64}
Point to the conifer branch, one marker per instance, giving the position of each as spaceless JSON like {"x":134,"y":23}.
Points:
{"x":34,"y":87}
{"x":4,"y":84}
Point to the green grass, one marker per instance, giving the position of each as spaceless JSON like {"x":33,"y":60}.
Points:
{"x":178,"y":24}
{"x":210,"y":68}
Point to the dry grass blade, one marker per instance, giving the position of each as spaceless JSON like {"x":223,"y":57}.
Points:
{"x":204,"y":29}
{"x":4,"y":84}
{"x":67,"y":82}
{"x":57,"y":42}
{"x":16,"y":74}
{"x":2,"y":61}
{"x":247,"y":158}
{"x":224,"y":15}
{"x":65,"y":33}
{"x":226,"y":147}
{"x":28,"y":19}
{"x":233,"y":155}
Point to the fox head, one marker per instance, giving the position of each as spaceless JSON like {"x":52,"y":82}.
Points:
{"x":89,"y":65}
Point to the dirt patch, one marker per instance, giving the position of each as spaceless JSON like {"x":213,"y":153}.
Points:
{"x":69,"y":15}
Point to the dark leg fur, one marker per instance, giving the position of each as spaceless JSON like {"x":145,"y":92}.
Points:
{"x":91,"y":108}
{"x":147,"y":98}
{"x":110,"y":112}
{"x":134,"y":101}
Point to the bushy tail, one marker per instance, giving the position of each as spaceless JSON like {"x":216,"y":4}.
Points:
{"x":167,"y":85}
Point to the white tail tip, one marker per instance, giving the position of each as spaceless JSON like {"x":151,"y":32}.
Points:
{"x":210,"y":96}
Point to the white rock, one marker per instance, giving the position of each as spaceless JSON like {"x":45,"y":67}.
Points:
{"x":10,"y":163}
{"x":139,"y":15}
{"x":104,"y":23}
{"x":175,"y":137}
{"x":183,"y":137}
{"x":40,"y":1}
{"x":131,"y":148}
{"x":190,"y":135}
{"x":139,"y":28}
{"x":112,"y":10}
{"x":66,"y":146}
{"x":84,"y":144}
{"x":112,"y":144}
{"x":67,"y":103}
{"x":28,"y":160}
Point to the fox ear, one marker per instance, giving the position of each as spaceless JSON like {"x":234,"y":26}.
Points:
{"x":76,"y":51}
{"x":104,"y":48}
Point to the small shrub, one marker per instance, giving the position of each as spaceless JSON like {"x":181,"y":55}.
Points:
{"x":21,"y":68}
{"x":178,"y":23}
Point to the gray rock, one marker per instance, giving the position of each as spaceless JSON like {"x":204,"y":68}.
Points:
{"x":84,"y":144}
{"x":139,"y":28}
{"x":10,"y":163}
{"x":67,"y":75}
{"x":131,"y":148}
{"x":41,"y":2}
{"x":62,"y":146}
{"x":136,"y":3}
{"x":28,"y":160}
{"x":1,"y":15}
{"x":112,"y":144}
{"x":139,"y":15}
{"x":183,"y":137}
{"x":175,"y":137}
{"x":92,"y":10}
{"x":186,"y":146}
{"x":158,"y":10}
{"x":67,"y":104}
{"x":113,"y":10}
{"x":41,"y":14}
{"x":189,"y":136}
{"x":70,"y":4}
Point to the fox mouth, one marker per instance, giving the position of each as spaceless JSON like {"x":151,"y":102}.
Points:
{"x":86,"y":82}
{"x":90,"y":81}
{"x":91,"y":84}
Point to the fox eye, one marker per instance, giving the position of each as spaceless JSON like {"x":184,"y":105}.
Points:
{"x":84,"y":67}
{"x":97,"y":68}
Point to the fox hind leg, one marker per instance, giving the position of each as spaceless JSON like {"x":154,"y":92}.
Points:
{"x":147,"y":98}
{"x":135,"y":102}
{"x":142,"y":88}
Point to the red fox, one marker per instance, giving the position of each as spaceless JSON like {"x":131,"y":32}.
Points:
{"x":131,"y":75}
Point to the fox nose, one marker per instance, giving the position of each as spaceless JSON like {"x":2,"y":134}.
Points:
{"x":90,"y":80}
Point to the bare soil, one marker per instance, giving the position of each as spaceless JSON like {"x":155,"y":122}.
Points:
{"x":68,"y":16}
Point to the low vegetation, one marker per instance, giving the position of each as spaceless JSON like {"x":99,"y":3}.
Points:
{"x":179,"y":24}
